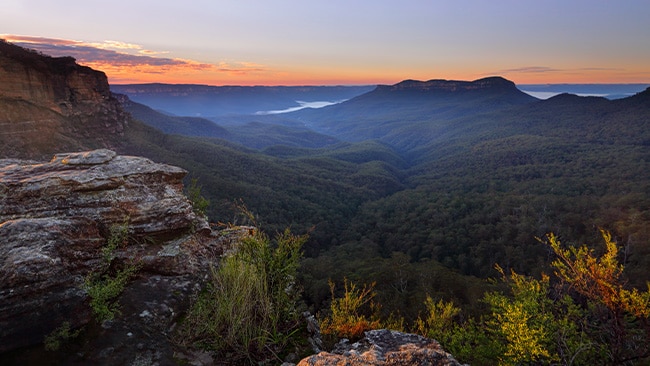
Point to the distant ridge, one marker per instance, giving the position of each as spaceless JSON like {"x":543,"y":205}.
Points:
{"x":397,"y":114}
{"x":644,"y":95}
{"x":494,"y":83}
{"x":573,"y":98}
{"x":212,"y":101}
{"x":609,"y":91}
{"x":495,"y":87}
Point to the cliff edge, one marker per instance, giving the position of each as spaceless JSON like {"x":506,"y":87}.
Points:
{"x":56,"y":223}
{"x":49,"y":104}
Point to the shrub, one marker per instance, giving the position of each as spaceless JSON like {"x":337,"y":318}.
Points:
{"x":353,"y":313}
{"x":104,"y":288}
{"x":200,"y":204}
{"x":619,"y":315}
{"x":439,"y":320}
{"x":249,"y":310}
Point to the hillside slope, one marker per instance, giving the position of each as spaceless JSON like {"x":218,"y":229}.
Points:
{"x":435,"y":180}
{"x":212,"y":101}
{"x":406,"y":113}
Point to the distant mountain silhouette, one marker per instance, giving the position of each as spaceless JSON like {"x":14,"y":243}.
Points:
{"x":213,"y":101}
{"x":609,"y":91}
{"x":494,"y":83}
{"x":188,"y":126}
{"x":400,"y":109}
{"x":254,"y":134}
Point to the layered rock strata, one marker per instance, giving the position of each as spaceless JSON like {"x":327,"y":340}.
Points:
{"x":56,"y":217}
{"x":50,"y":104}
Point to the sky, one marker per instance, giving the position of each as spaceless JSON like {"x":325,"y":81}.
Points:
{"x":340,"y":42}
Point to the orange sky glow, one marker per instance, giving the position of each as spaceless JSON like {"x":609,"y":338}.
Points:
{"x":126,"y":63}
{"x":291,"y":42}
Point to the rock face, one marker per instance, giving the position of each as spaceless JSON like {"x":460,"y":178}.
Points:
{"x":55,"y":219}
{"x":48,"y":104}
{"x":384,"y":347}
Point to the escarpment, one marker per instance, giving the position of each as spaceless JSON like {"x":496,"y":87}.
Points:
{"x":48,"y":105}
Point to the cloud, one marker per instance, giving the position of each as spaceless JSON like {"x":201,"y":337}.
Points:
{"x":240,"y":67}
{"x":601,"y":69}
{"x":120,"y":59}
{"x":581,"y":74}
{"x":117,"y":45}
{"x":530,"y":69}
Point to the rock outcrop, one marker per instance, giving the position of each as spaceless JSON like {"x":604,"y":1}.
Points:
{"x":52,"y":104}
{"x":384,"y":348}
{"x":55,"y":219}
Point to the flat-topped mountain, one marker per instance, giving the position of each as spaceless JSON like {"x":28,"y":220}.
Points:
{"x":402,"y":113}
{"x":490,"y":83}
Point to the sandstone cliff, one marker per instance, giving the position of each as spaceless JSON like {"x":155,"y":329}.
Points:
{"x":56,"y":217}
{"x":51,"y":104}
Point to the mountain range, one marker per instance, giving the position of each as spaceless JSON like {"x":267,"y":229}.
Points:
{"x":463,"y":173}
{"x":609,"y":91}
{"x":214,"y":101}
{"x":441,"y":179}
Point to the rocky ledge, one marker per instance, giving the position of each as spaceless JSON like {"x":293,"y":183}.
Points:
{"x":55,"y":219}
{"x":384,"y":348}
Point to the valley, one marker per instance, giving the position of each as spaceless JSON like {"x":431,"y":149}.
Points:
{"x":456,"y":176}
{"x":426,"y":191}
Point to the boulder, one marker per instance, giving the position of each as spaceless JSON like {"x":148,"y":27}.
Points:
{"x":384,"y":348}
{"x":55,"y":219}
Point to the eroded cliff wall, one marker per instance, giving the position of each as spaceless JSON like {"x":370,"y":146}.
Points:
{"x":48,"y":105}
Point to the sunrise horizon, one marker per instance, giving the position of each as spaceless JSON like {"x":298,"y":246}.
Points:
{"x":146,"y":67}
{"x":294,"y":43}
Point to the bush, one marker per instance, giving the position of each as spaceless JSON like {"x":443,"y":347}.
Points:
{"x":249,"y":310}
{"x":200,"y":204}
{"x":353,"y":313}
{"x":439,"y":320}
{"x":104,"y":288}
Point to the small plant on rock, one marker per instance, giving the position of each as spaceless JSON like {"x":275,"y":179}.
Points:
{"x":106,"y":283}
{"x":200,"y":204}
{"x":60,"y":336}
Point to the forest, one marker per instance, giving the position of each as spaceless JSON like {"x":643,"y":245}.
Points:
{"x":425,"y":192}
{"x":469,"y":212}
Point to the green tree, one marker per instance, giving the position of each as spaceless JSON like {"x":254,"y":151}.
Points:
{"x":439,"y":320}
{"x":522,"y":322}
{"x":200,"y":204}
{"x":620,"y":314}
